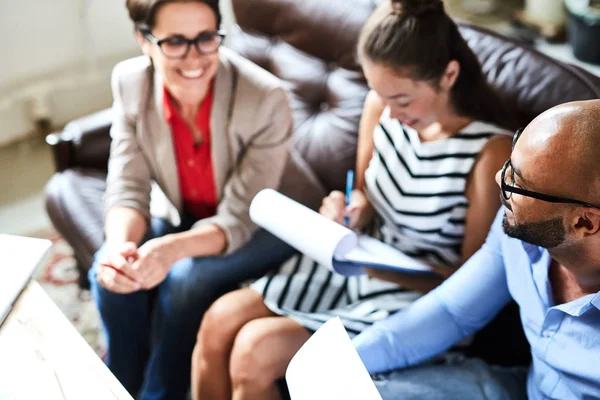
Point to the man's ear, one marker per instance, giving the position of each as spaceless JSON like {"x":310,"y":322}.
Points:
{"x":144,"y":43}
{"x":450,"y":75}
{"x":586,"y":221}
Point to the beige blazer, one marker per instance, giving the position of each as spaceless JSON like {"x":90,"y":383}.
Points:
{"x":251,"y":128}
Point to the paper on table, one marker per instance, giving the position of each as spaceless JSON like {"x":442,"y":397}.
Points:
{"x":309,"y":232}
{"x":328,"y":367}
{"x":20,"y":257}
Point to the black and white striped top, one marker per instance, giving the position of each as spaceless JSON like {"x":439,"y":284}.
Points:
{"x":418,"y":188}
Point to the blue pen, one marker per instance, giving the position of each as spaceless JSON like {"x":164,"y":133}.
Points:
{"x":349,"y":188}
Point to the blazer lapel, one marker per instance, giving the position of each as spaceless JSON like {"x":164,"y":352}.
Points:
{"x":162,"y":140}
{"x":219,"y":124}
{"x":166,"y":163}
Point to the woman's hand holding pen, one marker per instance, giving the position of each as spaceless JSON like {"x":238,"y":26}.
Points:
{"x":358,"y":210}
{"x":156,"y":257}
{"x":115,"y":272}
{"x":127,"y":268}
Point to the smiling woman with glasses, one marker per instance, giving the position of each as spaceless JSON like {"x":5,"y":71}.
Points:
{"x":509,"y":189}
{"x":203,"y":130}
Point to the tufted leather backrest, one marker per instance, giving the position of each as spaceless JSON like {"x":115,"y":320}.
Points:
{"x":530,"y":82}
{"x":311,"y":46}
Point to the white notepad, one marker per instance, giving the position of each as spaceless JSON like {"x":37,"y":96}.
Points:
{"x":326,"y":241}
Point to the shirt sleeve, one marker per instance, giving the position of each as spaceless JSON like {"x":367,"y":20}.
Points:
{"x":459,"y":307}
{"x":128,"y":183}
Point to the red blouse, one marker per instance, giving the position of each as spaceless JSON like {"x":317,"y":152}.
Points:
{"x":194,"y":162}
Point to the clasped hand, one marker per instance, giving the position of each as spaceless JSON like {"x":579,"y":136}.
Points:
{"x":126,"y":268}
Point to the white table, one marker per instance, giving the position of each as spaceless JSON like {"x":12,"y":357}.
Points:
{"x":42,"y":356}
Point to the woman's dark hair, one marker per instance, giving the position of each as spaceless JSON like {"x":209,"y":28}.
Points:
{"x":419,"y":39}
{"x":143,"y":12}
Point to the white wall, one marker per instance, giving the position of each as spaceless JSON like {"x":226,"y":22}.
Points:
{"x":56,"y":59}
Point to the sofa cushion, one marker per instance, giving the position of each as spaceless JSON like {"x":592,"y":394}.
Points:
{"x":530,"y":82}
{"x":311,"y":46}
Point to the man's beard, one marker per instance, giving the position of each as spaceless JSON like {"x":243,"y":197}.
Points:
{"x":547,"y":234}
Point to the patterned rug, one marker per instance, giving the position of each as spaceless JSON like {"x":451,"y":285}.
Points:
{"x":58,"y":277}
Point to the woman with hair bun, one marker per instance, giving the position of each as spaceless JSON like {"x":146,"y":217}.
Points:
{"x":431,"y":139}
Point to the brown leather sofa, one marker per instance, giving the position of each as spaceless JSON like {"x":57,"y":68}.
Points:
{"x":310,"y":45}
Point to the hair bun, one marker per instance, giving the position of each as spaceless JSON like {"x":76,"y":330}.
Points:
{"x":417,"y":7}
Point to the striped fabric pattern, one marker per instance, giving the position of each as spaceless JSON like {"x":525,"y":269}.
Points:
{"x":418,"y":190}
{"x":312,"y":294}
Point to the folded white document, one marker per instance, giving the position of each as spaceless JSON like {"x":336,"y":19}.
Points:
{"x":328,"y":367}
{"x":325,"y":241}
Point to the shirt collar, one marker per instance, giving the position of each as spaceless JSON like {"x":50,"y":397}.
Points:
{"x":206,"y":105}
{"x":168,"y":110}
{"x":533,"y":252}
{"x":596,"y":301}
{"x":576,"y":307}
{"x":580,"y":306}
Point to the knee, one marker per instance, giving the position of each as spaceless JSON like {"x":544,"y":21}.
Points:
{"x":184,"y":293}
{"x":218,"y":328}
{"x":194,"y":281}
{"x":249,"y":363}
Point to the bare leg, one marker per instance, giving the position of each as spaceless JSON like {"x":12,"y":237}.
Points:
{"x":262,"y":351}
{"x":220,"y":326}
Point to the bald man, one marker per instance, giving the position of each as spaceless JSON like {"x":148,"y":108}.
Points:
{"x":543,"y":251}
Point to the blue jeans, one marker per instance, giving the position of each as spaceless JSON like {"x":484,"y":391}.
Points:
{"x":454,"y":377}
{"x":151,"y":334}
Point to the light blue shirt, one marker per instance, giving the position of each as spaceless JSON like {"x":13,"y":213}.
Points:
{"x":565,"y":339}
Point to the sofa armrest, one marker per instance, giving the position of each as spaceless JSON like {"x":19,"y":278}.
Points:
{"x":84,"y":142}
{"x":62,"y":150}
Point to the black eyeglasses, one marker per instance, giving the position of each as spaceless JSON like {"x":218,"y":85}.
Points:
{"x":507,"y":189}
{"x":178,"y":46}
